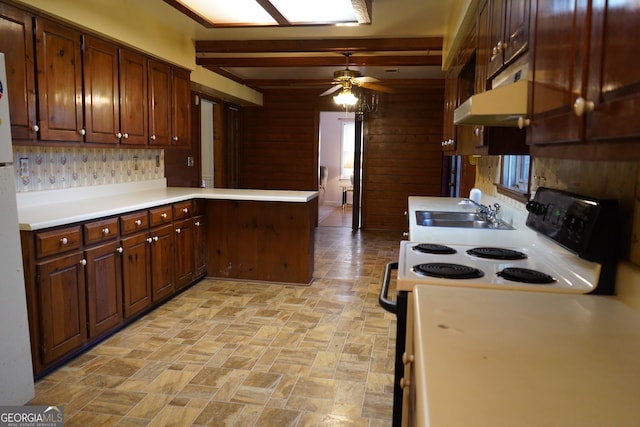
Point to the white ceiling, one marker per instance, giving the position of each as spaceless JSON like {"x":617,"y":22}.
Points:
{"x":390,"y":19}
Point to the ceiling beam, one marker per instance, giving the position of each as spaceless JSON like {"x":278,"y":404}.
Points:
{"x":321,"y":61}
{"x":320,"y":45}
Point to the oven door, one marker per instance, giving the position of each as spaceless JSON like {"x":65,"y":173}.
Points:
{"x":399,"y":308}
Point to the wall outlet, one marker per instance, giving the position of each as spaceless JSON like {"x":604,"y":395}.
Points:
{"x":157,"y":160}
{"x":24,"y":167}
{"x":190,"y":161}
{"x":136,"y":166}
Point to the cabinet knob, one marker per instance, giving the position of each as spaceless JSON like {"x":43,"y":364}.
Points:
{"x":119,"y":135}
{"x":178,"y":230}
{"x":582,"y":106}
{"x":155,"y":238}
{"x":64,"y":240}
{"x":404,"y":383}
{"x":478,"y":131}
{"x":164,"y":215}
{"x":175,"y":138}
{"x":120,"y":250}
{"x":83,"y":262}
{"x":523,"y":123}
{"x":185,"y":210}
{"x":197,"y":224}
{"x":125,"y":135}
{"x":407,"y":358}
{"x":405,"y":234}
{"x":149,"y":240}
{"x":153,"y":137}
{"x":105,"y":231}
{"x":82,"y":132}
{"x":138,"y":222}
{"x":35,"y":128}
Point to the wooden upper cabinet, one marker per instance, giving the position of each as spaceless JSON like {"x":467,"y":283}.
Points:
{"x":16,"y":42}
{"x":101,"y":92}
{"x":59,"y":60}
{"x":585,"y":89}
{"x":181,"y":100}
{"x":560,"y":40}
{"x":159,"y":105}
{"x":614,"y":77}
{"x":508,"y":32}
{"x":133,"y":98}
{"x":450,"y":104}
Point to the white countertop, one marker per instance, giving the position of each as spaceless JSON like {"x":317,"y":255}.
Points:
{"x":502,"y":358}
{"x":45,"y":209}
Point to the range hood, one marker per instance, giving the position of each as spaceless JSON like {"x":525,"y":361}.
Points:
{"x":501,"y":106}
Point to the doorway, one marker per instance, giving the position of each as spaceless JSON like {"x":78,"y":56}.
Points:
{"x":338,"y":167}
{"x":206,"y":143}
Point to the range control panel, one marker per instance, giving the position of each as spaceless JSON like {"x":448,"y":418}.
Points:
{"x":582,"y":224}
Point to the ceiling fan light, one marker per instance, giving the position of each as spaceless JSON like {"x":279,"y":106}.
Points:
{"x":345,"y":97}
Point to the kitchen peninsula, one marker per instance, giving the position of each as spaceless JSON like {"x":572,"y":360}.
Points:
{"x":102,"y":256}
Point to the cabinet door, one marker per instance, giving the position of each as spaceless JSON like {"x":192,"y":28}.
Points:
{"x":614,"y":77}
{"x":496,"y":25}
{"x":16,"y":42}
{"x":181,"y":97}
{"x":184,"y":253}
{"x":558,"y":74}
{"x":200,"y":245}
{"x":162,"y":262}
{"x":159,"y":108}
{"x":101,"y":93}
{"x":450,"y":104}
{"x":59,"y":60}
{"x":61,"y":298}
{"x":136,"y":273}
{"x":517,"y":15}
{"x":104,"y":288}
{"x":133,"y":98}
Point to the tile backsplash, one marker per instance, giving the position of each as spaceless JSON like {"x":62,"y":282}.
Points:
{"x":54,"y":168}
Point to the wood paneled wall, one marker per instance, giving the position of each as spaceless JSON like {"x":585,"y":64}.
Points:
{"x":278,"y":147}
{"x":402,"y":154}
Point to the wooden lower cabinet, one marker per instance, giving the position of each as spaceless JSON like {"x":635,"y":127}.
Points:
{"x":200,"y":245}
{"x":162,"y":262}
{"x":136,"y":273}
{"x":185,"y":252}
{"x":60,"y":289}
{"x":104,"y":288}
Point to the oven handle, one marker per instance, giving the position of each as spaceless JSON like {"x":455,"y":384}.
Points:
{"x":387,"y":304}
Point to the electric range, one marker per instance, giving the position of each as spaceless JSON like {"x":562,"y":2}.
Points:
{"x":569,"y":246}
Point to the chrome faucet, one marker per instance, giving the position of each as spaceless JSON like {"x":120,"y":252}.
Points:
{"x":491,"y":213}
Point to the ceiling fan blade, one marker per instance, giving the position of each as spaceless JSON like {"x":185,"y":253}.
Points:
{"x":331,"y":90}
{"x":376,"y":87}
{"x":364,"y":79}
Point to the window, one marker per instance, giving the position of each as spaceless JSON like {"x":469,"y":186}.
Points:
{"x":515,"y":173}
{"x":348,"y":148}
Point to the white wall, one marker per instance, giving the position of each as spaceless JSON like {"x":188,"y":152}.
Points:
{"x":330,"y":147}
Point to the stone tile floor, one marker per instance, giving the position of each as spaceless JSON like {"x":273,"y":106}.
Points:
{"x":228,"y":353}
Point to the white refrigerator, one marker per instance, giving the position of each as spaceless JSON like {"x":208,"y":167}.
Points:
{"x":16,"y":374}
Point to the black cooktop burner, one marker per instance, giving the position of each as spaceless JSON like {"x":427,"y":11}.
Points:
{"x":448,"y":271}
{"x":525,"y":275}
{"x":496,"y":253}
{"x":434,"y":248}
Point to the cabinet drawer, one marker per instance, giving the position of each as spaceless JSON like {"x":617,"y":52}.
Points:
{"x":161,"y":215}
{"x":182,"y":210}
{"x":133,"y":222}
{"x":58,"y":241}
{"x":100,"y":231}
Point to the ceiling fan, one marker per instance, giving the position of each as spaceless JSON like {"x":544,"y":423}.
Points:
{"x":347,"y":78}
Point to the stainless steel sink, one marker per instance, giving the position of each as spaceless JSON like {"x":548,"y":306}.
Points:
{"x":458,"y":220}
